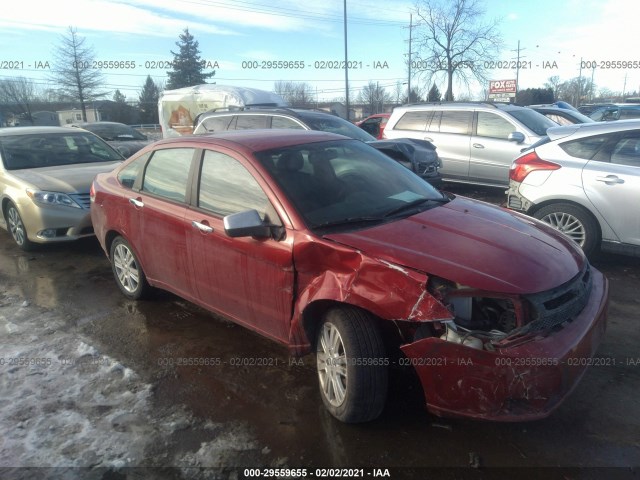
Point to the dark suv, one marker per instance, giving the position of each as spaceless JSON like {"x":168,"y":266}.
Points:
{"x":418,"y":155}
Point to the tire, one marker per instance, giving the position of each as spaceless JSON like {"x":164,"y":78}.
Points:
{"x":127,"y":270}
{"x":16,"y":227}
{"x":575,"y":222}
{"x":352,"y":365}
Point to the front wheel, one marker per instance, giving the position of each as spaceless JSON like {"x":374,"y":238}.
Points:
{"x":352,"y":365}
{"x":126,"y":268}
{"x":16,"y":227}
{"x":573,"y":221}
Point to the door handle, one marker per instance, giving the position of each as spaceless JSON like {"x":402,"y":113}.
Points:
{"x":136,"y":203}
{"x":202,"y":227}
{"x":610,"y":179}
{"x":478,"y":145}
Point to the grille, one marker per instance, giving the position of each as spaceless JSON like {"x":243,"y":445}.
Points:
{"x":562,"y":304}
{"x":82,"y":199}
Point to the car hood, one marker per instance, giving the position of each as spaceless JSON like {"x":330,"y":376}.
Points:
{"x":65,"y":178}
{"x":476,"y":245}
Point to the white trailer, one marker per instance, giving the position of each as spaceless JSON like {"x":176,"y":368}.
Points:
{"x":178,"y":108}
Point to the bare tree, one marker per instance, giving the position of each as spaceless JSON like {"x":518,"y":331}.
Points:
{"x":453,"y":42}
{"x":17,"y":95}
{"x":296,"y":94}
{"x":576,"y":90}
{"x":73,"y":69}
{"x":554,"y":84}
{"x":374,"y":96}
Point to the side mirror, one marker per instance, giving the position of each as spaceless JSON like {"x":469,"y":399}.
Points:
{"x":246,"y":224}
{"x":517,"y":137}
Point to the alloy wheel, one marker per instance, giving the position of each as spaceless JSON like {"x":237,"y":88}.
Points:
{"x":126,"y":268}
{"x":567,"y":224}
{"x":332,"y":365}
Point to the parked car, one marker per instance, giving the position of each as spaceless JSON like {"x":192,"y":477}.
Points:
{"x":584,"y":180}
{"x":615,"y":112}
{"x":45,"y":176}
{"x":374,"y":124}
{"x":125,"y":139}
{"x":589,"y":108}
{"x":418,"y":155}
{"x":322,"y":243}
{"x":561,"y":116}
{"x":476,"y":142}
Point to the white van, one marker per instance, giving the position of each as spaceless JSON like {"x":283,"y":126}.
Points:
{"x":178,"y":108}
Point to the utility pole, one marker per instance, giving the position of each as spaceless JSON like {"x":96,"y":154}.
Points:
{"x":517,"y":68}
{"x":580,"y":84}
{"x":593,"y":70}
{"x":409,"y":64}
{"x":346,"y":61}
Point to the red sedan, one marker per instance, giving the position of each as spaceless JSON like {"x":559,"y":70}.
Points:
{"x":326,"y":245}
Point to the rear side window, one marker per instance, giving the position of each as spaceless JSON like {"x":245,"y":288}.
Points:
{"x":127,"y":176}
{"x":214,"y":124}
{"x":227,"y":187}
{"x":416,"y":121}
{"x":627,"y":152}
{"x":630,"y":113}
{"x":167,"y":173}
{"x":455,"y":122}
{"x":494,"y":126}
{"x":584,"y":148}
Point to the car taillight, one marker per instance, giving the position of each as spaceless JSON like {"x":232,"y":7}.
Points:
{"x":528,"y":163}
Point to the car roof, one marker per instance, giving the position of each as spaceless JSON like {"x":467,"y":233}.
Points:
{"x":596,"y":128}
{"x":32,"y":130}
{"x":258,"y":140}
{"x":460,"y":106}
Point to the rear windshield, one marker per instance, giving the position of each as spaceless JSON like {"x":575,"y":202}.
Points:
{"x":54,"y":149}
{"x":533,"y":120}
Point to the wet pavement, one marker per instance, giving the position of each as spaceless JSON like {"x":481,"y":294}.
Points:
{"x":182,"y":388}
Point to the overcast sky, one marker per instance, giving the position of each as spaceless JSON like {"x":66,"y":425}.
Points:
{"x":240,"y":35}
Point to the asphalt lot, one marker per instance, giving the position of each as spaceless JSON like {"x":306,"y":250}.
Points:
{"x":109,"y":384}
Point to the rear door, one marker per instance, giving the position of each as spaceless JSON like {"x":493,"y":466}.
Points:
{"x":491,"y":151}
{"x":250,"y":280}
{"x":449,"y":131}
{"x":612,"y":183}
{"x":157,"y":219}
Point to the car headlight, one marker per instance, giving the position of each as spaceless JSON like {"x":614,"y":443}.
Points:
{"x":52,"y":198}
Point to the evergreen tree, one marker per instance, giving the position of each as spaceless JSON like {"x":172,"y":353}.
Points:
{"x":148,"y":101}
{"x":434,"y":94}
{"x":187,"y":65}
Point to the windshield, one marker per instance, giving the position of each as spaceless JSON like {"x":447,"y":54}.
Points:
{"x":329,"y":123}
{"x":347,"y":184}
{"x":534,"y":121}
{"x":114,"y":131}
{"x":54,"y":149}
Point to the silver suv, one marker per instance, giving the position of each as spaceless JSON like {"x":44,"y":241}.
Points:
{"x":476,"y":142}
{"x":584,"y":180}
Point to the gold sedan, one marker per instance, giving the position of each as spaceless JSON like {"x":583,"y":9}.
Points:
{"x":45,"y":177}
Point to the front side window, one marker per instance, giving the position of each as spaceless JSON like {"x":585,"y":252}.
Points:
{"x":249,"y":122}
{"x":284,"y":122}
{"x":494,"y":126}
{"x":227,"y":187}
{"x":167,"y":173}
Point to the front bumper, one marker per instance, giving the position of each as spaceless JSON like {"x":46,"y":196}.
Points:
{"x":525,"y":382}
{"x":68,"y":223}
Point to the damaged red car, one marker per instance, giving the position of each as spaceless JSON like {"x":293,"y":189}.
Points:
{"x":328,"y":246}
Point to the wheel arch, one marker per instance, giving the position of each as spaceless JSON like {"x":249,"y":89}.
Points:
{"x":573,"y":203}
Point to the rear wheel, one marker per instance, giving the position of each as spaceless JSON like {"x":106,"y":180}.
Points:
{"x":16,"y":227}
{"x":126,"y":268}
{"x":573,"y":221}
{"x":352,"y":365}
